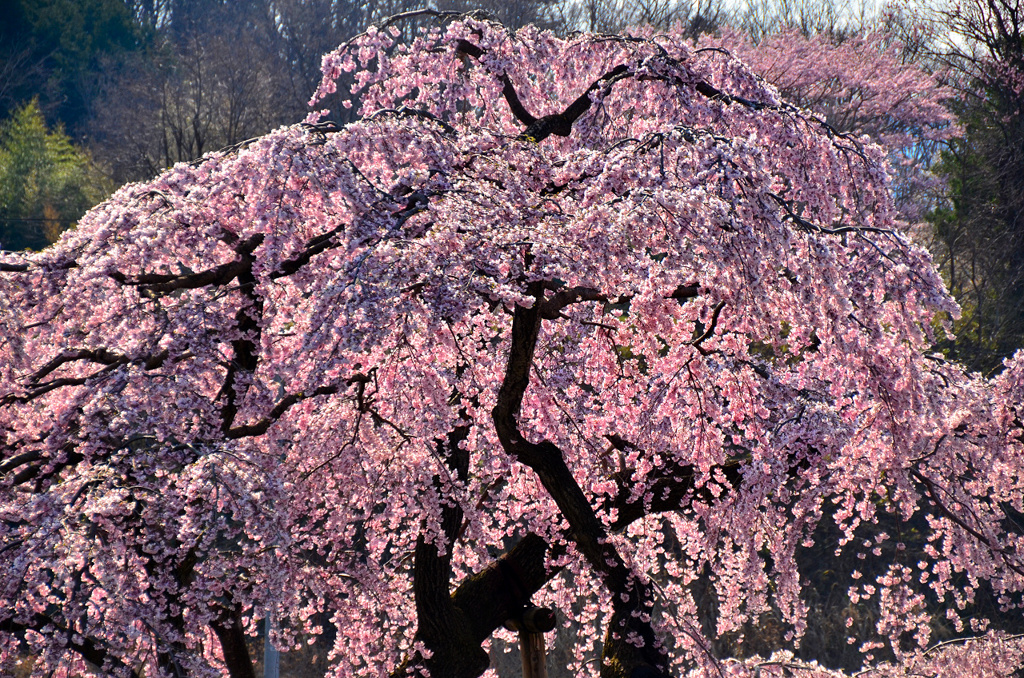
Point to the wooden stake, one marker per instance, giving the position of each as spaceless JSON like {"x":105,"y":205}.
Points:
{"x":531,"y":648}
{"x":531,"y":624}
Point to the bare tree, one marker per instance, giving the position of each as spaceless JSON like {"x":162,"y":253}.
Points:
{"x":18,"y":65}
{"x":206,"y":86}
{"x":837,"y":18}
{"x":609,"y":16}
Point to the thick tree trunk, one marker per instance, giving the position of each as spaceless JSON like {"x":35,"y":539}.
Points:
{"x":443,"y":627}
{"x":231,"y":635}
{"x":632,"y":599}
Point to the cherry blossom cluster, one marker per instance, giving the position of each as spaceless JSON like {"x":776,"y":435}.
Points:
{"x":566,"y":321}
{"x":862,"y":85}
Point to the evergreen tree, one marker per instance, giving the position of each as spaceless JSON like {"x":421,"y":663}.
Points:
{"x":979,"y":231}
{"x":54,"y":49}
{"x":46,"y":183}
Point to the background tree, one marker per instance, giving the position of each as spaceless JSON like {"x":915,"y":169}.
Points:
{"x":761,"y":19}
{"x":215,"y":75}
{"x":46,"y":183}
{"x":570,"y":321}
{"x":979,"y":233}
{"x":863,"y":83}
{"x":52,"y":49}
{"x":609,"y":17}
{"x":216,"y":88}
{"x":220,"y":73}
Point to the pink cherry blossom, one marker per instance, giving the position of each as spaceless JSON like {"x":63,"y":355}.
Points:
{"x":568,"y":321}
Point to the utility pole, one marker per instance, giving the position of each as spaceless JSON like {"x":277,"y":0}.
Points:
{"x":271,"y":657}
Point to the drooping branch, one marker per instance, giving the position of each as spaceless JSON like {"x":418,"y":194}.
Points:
{"x":35,"y":464}
{"x":90,"y":649}
{"x":932,"y":491}
{"x":170,"y":647}
{"x":673,"y":487}
{"x":19,"y":460}
{"x":508,"y":90}
{"x":163,"y":283}
{"x":582,"y":104}
{"x":53,"y":384}
{"x":33,"y":472}
{"x":330,"y":240}
{"x":632,"y":599}
{"x":407,"y":112}
{"x":102,"y":356}
{"x":313,"y":247}
{"x":696,"y":343}
{"x":551,"y":307}
{"x":111,"y":360}
{"x":792,"y":216}
{"x":560,"y":124}
{"x":283,"y":405}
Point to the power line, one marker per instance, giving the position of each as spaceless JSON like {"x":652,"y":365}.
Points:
{"x":11,"y":220}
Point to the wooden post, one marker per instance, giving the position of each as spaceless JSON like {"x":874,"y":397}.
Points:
{"x":531,"y":648}
{"x":532,"y":623}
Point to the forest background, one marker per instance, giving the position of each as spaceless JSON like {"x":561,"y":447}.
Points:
{"x":96,"y":93}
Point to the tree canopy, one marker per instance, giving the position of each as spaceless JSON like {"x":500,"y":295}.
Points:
{"x":572,"y":321}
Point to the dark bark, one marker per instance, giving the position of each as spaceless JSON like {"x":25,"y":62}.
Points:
{"x":454,"y":626}
{"x":500,"y":591}
{"x":442,"y":626}
{"x":482,"y":603}
{"x":632,"y":598}
{"x":560,"y":124}
{"x":282,"y":406}
{"x":246,"y":347}
{"x":153,"y":284}
{"x":231,"y":635}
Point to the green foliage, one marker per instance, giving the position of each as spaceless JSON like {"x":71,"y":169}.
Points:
{"x":55,"y":49}
{"x":46,"y":183}
{"x":978,"y":229}
{"x":979,"y":237}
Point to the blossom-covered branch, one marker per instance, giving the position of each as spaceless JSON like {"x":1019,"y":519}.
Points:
{"x":406,"y":376}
